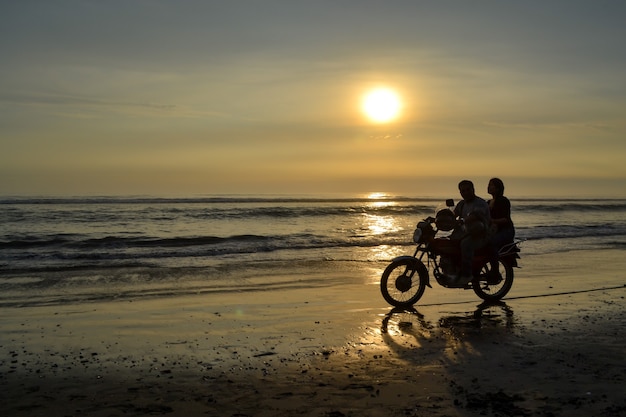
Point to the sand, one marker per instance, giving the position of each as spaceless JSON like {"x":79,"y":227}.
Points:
{"x":554,"y":347}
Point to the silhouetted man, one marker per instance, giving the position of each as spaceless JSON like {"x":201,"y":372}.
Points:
{"x":476,"y":220}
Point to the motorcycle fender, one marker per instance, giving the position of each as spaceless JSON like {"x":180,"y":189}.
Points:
{"x":418,"y":266}
{"x":511,"y":260}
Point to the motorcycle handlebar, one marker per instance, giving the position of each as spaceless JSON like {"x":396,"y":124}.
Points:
{"x":431,"y":219}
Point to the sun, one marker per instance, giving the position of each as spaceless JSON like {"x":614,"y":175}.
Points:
{"x":381,"y":105}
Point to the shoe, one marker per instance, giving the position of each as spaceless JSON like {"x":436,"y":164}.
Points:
{"x":494,"y":277}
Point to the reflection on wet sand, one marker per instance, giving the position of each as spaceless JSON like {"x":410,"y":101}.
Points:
{"x":486,"y":315}
{"x":410,"y":334}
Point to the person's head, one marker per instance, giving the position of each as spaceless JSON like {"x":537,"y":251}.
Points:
{"x":466,"y":188}
{"x":495,"y":187}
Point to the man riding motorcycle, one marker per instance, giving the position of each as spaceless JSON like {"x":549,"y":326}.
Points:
{"x":474,"y":232}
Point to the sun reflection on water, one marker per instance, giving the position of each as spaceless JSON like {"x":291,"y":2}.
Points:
{"x":383,"y":227}
{"x":379,"y":225}
{"x":378,"y":196}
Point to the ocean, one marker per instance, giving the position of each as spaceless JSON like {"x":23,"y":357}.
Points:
{"x":71,"y":250}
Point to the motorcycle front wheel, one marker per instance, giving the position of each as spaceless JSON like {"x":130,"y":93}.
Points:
{"x":491,"y":286}
{"x":403,"y":282}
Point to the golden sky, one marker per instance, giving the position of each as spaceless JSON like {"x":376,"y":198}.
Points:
{"x":208,"y":97}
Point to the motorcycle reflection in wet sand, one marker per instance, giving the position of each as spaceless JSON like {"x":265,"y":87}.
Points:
{"x":404,"y":329}
{"x":405,"y":279}
{"x":485,"y":315}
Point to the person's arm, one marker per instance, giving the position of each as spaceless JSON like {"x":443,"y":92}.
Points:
{"x":458,"y":210}
{"x":484,"y":212}
{"x":499,"y":222}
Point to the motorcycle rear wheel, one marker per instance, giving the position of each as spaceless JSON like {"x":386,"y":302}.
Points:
{"x":403,"y":282}
{"x":492,"y":290}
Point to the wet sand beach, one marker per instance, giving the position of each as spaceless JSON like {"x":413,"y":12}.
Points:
{"x":554,"y":347}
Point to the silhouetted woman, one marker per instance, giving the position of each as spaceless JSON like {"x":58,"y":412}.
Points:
{"x":500,"y":210}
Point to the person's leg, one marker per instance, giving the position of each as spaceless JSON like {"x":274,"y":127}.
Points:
{"x":495,"y":244}
{"x":468,"y":247}
{"x":502,"y":238}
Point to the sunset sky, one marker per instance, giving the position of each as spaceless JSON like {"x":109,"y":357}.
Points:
{"x":189,"y":98}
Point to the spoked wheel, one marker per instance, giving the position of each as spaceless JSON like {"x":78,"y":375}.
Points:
{"x":491,"y":286}
{"x":403,"y":327}
{"x":403,"y":282}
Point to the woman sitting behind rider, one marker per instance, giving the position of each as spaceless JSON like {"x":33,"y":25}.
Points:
{"x":500,"y":210}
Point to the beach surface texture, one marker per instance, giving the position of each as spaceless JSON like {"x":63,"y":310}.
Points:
{"x":554,"y":347}
{"x":312,"y":338}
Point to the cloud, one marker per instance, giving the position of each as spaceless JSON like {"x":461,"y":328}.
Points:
{"x":551,"y":125}
{"x":72,"y":106}
{"x":68,"y":100}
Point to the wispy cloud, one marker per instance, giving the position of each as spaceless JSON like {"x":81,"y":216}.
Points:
{"x":534,"y":125}
{"x":61,"y":104}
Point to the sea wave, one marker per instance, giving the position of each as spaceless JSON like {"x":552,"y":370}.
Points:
{"x":571,"y":231}
{"x":208,"y":200}
{"x":219,"y":208}
{"x":585,"y":206}
{"x":42,"y":234}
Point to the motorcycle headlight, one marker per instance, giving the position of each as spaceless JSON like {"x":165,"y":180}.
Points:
{"x":417,"y":235}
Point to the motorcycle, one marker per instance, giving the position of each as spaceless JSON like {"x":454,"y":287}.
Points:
{"x":405,"y":279}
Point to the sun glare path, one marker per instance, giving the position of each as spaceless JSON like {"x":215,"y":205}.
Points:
{"x":381,"y":105}
{"x":377,"y":195}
